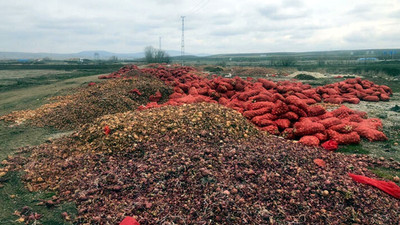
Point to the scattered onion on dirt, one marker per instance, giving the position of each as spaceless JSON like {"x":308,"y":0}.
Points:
{"x":205,"y":172}
{"x":91,"y":102}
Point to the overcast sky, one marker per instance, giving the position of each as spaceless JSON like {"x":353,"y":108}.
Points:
{"x":211,"y":26}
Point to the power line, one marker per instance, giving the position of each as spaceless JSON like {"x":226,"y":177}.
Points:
{"x":200,"y":7}
{"x":196,"y":6}
{"x":183,"y":38}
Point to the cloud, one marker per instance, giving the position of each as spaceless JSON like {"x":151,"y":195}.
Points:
{"x":278,"y":13}
{"x":292,"y":3}
{"x":210,"y":26}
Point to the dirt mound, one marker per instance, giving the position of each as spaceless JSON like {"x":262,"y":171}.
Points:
{"x":93,"y":101}
{"x":253,"y":71}
{"x":204,"y":121}
{"x":188,"y":177}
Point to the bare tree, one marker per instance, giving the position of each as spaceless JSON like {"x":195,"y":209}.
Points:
{"x":153,"y":55}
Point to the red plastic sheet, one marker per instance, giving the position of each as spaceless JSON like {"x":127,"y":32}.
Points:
{"x":107,"y":130}
{"x":129,"y":221}
{"x":387,"y":186}
{"x":330,"y":145}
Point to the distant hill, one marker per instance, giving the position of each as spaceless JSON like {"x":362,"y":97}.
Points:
{"x":84,"y":54}
{"x":319,"y":54}
{"x":104,"y":55}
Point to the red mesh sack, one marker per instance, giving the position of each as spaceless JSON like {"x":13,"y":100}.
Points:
{"x":262,"y":122}
{"x":267,"y":84}
{"x":277,"y":96}
{"x":387,"y":89}
{"x":300,"y":95}
{"x":297,"y":110}
{"x":213,"y":94}
{"x":184,"y":87}
{"x":331,"y":91}
{"x":193,"y":91}
{"x":257,"y":86}
{"x":223,"y":101}
{"x":267,"y":116}
{"x":237,"y":103}
{"x":239,"y":86}
{"x":259,"y":105}
{"x":203,"y":91}
{"x":358,"y":87}
{"x":326,"y":115}
{"x":316,"y":97}
{"x":361,"y":94}
{"x":288,"y":133}
{"x":371,"y":98}
{"x":229,"y":94}
{"x":245,"y":95}
{"x":374,"y":123}
{"x":321,"y":136}
{"x":384,"y":97}
{"x":309,"y":140}
{"x":294,"y":100}
{"x":261,"y":98}
{"x":252,"y":113}
{"x":221,"y":88}
{"x":310,"y":101}
{"x":362,"y":114}
{"x":343,"y":128}
{"x":369,"y":92}
{"x":353,"y":118}
{"x":305,"y":120}
{"x":376,"y":93}
{"x":271,"y":129}
{"x":309,"y":92}
{"x":342,"y":111}
{"x":227,"y":85}
{"x":178,"y":90}
{"x":282,"y":123}
{"x":309,"y":119}
{"x":307,"y":128}
{"x":330,"y":122}
{"x":344,"y":139}
{"x":316,"y":110}
{"x":352,"y":100}
{"x":290,"y":116}
{"x":370,"y":134}
{"x":349,"y":95}
{"x":337,"y":100}
{"x":280,"y":108}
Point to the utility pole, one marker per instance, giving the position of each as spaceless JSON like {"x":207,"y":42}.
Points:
{"x":159,"y":43}
{"x":183,"y":39}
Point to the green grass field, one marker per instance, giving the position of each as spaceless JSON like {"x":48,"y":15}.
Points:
{"x":40,"y":85}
